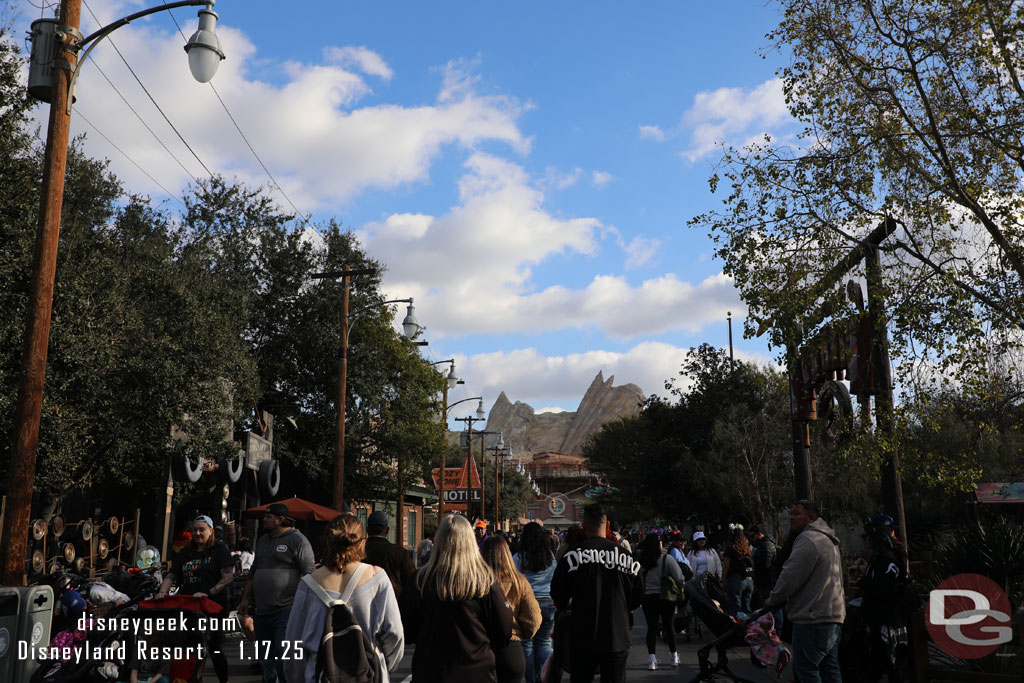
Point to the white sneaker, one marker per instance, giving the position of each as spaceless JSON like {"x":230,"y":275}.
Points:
{"x":652,"y":663}
{"x":675,"y":659}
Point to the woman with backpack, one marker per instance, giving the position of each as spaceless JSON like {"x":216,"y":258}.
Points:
{"x":455,"y":611}
{"x":367,"y":593}
{"x":510,"y":662}
{"x":738,"y":567}
{"x":657,"y":609}
{"x":536,"y":561}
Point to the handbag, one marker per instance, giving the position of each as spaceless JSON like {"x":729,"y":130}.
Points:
{"x":670,"y":588}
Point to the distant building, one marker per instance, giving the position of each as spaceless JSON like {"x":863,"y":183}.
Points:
{"x":563,"y":480}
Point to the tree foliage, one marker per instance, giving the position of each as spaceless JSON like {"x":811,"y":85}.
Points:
{"x":910,"y":111}
{"x":719,"y":450}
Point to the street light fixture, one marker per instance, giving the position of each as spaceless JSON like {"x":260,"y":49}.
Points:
{"x":444,"y":450}
{"x":53,"y":72}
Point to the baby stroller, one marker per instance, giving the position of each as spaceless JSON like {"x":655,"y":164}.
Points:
{"x":710,"y":603}
{"x":188,"y":642}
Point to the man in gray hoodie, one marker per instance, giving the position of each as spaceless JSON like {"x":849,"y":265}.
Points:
{"x":811,"y":582}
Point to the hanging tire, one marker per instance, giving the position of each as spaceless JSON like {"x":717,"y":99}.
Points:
{"x":38,"y":562}
{"x":184,"y":469}
{"x":85,"y":530}
{"x":38,"y":529}
{"x":834,"y":406}
{"x":230,"y":468}
{"x":69,"y":552}
{"x":128,"y":540}
{"x":269,"y":478}
{"x":103,"y":548}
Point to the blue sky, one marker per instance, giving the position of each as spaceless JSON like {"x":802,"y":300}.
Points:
{"x":525,"y":170}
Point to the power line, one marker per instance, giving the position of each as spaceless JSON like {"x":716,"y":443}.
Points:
{"x":125,"y":155}
{"x":151,"y":99}
{"x":247,"y":143}
{"x":143,"y":122}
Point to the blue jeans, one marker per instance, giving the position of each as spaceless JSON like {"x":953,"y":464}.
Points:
{"x":271,"y":627}
{"x":740,"y":590}
{"x":536,"y":650}
{"x":816,"y":653}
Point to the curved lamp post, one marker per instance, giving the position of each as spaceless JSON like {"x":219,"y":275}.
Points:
{"x":444,"y":451}
{"x":53,"y":73}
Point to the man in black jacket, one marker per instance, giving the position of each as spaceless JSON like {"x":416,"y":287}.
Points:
{"x":392,"y":558}
{"x":601,"y":584}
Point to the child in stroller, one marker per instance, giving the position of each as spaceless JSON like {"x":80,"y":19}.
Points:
{"x":730,"y":628}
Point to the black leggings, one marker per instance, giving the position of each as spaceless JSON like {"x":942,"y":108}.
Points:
{"x":656,"y":609}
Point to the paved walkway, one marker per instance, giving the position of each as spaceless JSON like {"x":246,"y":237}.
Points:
{"x":636,"y":668}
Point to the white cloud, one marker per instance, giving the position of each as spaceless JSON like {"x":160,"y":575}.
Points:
{"x":733,"y":115}
{"x":322,"y":146}
{"x":602,"y":178}
{"x":558,"y":180}
{"x":529,"y":376}
{"x":366,"y":60}
{"x":494,"y":239}
{"x":653,"y":133}
{"x":641,"y":251}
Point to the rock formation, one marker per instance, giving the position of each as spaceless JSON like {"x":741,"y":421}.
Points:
{"x":530,"y":433}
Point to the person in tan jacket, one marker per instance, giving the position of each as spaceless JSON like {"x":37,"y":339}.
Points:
{"x":510,"y":662}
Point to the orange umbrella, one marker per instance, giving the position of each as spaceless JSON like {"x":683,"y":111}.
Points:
{"x":298,"y":509}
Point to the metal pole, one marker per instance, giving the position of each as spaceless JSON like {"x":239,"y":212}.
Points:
{"x":469,"y":461}
{"x":444,"y":451}
{"x":497,"y":497}
{"x":22,"y":472}
{"x":892,"y":489}
{"x":731,"y":362}
{"x":338,"y":498}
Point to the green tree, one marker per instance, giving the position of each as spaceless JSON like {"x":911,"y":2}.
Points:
{"x":719,"y":452}
{"x":910,"y":111}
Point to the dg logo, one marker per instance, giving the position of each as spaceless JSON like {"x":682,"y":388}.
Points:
{"x":969,"y":616}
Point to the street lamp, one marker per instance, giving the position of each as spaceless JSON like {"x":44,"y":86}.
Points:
{"x":410,"y":328}
{"x":53,"y":73}
{"x":469,"y":420}
{"x":444,"y":427}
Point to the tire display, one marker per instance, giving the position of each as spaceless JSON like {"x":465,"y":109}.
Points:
{"x":38,"y":529}
{"x":230,"y":468}
{"x":269,"y":478}
{"x":184,"y":469}
{"x":57,"y":526}
{"x":834,"y":407}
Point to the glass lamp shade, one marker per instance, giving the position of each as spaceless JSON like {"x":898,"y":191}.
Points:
{"x":410,"y":326}
{"x":453,"y":379}
{"x":203,"y":48}
{"x":501,"y":440}
{"x":480,"y":414}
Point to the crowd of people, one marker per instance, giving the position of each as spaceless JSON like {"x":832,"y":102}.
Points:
{"x":483,"y":605}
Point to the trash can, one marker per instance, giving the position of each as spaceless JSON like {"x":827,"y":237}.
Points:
{"x":35,"y":614}
{"x":10,"y":605}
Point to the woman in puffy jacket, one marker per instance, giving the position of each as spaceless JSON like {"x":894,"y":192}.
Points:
{"x":510,"y":662}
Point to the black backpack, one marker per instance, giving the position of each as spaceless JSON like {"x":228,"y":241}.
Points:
{"x":748,"y":566}
{"x":347,"y":654}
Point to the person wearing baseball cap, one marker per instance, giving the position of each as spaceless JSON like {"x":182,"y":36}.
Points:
{"x":282,"y":557}
{"x":204,"y":569}
{"x":702,"y":558}
{"x":391,"y":557}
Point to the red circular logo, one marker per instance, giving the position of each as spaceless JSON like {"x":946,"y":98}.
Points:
{"x":969,"y":616}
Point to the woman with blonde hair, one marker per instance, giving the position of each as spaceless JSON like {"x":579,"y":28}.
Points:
{"x":510,"y":662}
{"x":365,"y":589}
{"x":455,"y":611}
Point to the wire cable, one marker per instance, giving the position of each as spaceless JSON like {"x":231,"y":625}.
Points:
{"x":125,"y":155}
{"x":143,"y":122}
{"x":150,"y":96}
{"x":247,"y":143}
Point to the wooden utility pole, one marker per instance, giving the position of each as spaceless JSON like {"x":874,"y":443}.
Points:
{"x":338,"y":495}
{"x":444,"y":452}
{"x":22,"y":473}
